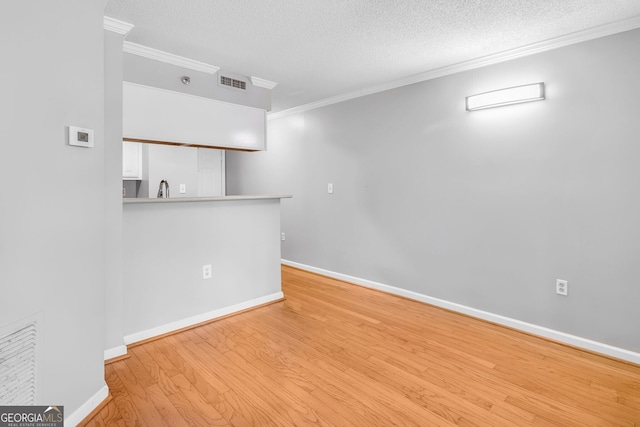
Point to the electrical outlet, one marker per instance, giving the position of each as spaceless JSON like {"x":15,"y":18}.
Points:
{"x":562,"y":287}
{"x":206,"y":271}
{"x":183,"y":188}
{"x":283,"y":236}
{"x":330,"y":188}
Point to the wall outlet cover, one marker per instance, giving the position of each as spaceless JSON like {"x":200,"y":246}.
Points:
{"x":206,"y":271}
{"x":562,"y":287}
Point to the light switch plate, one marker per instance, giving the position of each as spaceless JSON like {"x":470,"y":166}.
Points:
{"x":80,"y":137}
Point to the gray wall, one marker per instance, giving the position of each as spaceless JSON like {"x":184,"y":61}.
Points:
{"x":154,"y":73}
{"x":52,"y":221}
{"x":484,"y":209}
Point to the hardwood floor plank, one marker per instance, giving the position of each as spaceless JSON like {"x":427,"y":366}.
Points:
{"x":568,"y":390}
{"x":197,"y":402}
{"x":215,"y":338}
{"x":227,"y":370}
{"x":193,"y":415}
{"x":111,"y":415}
{"x":165,"y":408}
{"x":198,"y":371}
{"x":124,"y":403}
{"x":242,"y":411}
{"x":212,"y":388}
{"x":291,"y":409}
{"x":134,"y":363}
{"x":164,"y":364}
{"x":149,"y":357}
{"x":327,"y":373}
{"x":137,"y":395}
{"x":337,"y":354}
{"x":550,"y":410}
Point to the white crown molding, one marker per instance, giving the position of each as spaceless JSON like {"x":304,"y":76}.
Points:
{"x":169,"y":58}
{"x":555,"y":43}
{"x":116,"y":26}
{"x":587,"y":344}
{"x":257,"y":81}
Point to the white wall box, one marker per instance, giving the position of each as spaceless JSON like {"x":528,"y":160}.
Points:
{"x":80,"y":137}
{"x":131,"y":160}
{"x":162,"y":116}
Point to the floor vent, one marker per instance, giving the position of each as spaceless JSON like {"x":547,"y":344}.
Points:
{"x":18,"y":366}
{"x":234,"y":83}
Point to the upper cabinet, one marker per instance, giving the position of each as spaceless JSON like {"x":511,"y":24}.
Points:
{"x":162,"y":116}
{"x":131,"y":160}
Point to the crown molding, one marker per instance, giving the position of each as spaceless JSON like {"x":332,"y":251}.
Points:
{"x":257,"y":81}
{"x":116,"y":26}
{"x":532,"y":49}
{"x":169,"y":58}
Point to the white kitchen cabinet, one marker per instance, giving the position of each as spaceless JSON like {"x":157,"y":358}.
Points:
{"x":131,"y":160}
{"x":158,"y":115}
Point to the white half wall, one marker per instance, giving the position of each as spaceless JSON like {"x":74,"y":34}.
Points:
{"x":166,"y":246}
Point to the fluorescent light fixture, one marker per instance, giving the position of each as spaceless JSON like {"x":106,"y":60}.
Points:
{"x":512,"y":95}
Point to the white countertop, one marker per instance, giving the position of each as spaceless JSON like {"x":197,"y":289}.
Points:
{"x":127,"y":201}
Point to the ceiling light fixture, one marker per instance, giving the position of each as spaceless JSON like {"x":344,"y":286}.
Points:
{"x":508,"y":96}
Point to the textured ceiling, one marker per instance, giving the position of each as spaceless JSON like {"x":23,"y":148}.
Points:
{"x":317,"y":49}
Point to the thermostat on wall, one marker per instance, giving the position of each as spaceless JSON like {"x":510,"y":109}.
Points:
{"x":80,"y":137}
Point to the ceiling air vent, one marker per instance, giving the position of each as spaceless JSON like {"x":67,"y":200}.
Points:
{"x":234,"y":83}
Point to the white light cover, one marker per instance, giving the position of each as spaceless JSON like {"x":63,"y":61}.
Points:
{"x":512,"y":95}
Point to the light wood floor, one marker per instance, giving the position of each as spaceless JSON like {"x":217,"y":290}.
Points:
{"x":338,"y":354}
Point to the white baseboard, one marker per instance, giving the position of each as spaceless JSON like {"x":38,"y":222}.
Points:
{"x":204,"y":317}
{"x":118,"y":351}
{"x":81,"y":413}
{"x":573,"y":340}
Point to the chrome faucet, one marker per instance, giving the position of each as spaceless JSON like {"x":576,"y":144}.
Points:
{"x":163,"y":190}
